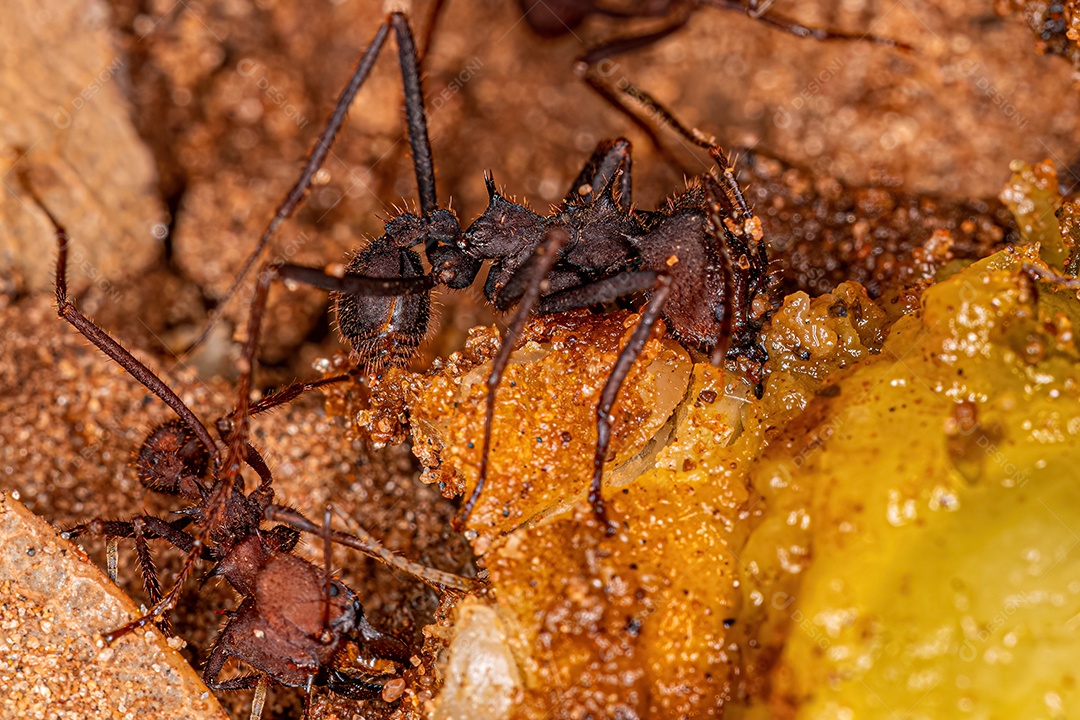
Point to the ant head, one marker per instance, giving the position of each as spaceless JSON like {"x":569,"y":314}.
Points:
{"x":172,"y":460}
{"x":384,"y":331}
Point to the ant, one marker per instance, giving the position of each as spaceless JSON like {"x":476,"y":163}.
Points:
{"x":700,"y":261}
{"x":556,"y":18}
{"x":296,"y":624}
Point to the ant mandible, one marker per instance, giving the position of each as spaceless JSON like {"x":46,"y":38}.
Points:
{"x":295,"y":622}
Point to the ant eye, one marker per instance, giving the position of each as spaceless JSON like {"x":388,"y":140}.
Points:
{"x":334,"y":591}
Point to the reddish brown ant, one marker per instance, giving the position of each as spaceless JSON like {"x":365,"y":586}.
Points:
{"x":295,"y":622}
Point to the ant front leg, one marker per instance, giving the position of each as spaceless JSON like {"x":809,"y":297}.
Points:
{"x":140,"y":528}
{"x":599,"y":292}
{"x":525,"y":287}
{"x":314,"y":162}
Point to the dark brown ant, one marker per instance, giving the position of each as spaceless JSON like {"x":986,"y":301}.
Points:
{"x":295,"y":623}
{"x":699,"y":261}
{"x":557,"y":18}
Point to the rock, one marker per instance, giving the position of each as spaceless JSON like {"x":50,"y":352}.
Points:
{"x":65,"y":128}
{"x":54,"y":605}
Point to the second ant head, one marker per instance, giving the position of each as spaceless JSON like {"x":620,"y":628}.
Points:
{"x":172,"y":460}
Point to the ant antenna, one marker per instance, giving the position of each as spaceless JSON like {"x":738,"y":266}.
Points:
{"x":315,"y":160}
{"x":328,"y":548}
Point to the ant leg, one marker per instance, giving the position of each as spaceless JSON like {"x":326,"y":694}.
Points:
{"x":315,"y":159}
{"x":625,"y":361}
{"x":727,"y":202}
{"x":352,"y":687}
{"x":593,"y":75}
{"x":112,"y":556}
{"x":757,"y":8}
{"x":591,"y":78}
{"x":149,"y":572}
{"x":435,"y":228}
{"x":153,"y":528}
{"x":140,"y":372}
{"x":140,"y":528}
{"x":328,"y":579}
{"x":618,"y":46}
{"x":238,"y":451}
{"x":599,"y":292}
{"x":367,"y":544}
{"x":1040,"y":273}
{"x":244,"y":682}
{"x":528,"y":283}
{"x":216,"y":661}
{"x":294,"y":391}
{"x":665,"y":117}
{"x":759,"y":11}
{"x":730,"y":187}
{"x":415,"y":118}
{"x":602,"y":291}
{"x":356,"y":284}
{"x":165,"y":604}
{"x":309,"y":697}
{"x":350,"y":284}
{"x":236,"y":425}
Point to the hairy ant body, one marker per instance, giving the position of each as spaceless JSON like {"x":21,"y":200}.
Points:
{"x":296,"y":625}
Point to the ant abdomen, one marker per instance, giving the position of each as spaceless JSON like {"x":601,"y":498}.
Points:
{"x":172,"y":460}
{"x":384,"y":330}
